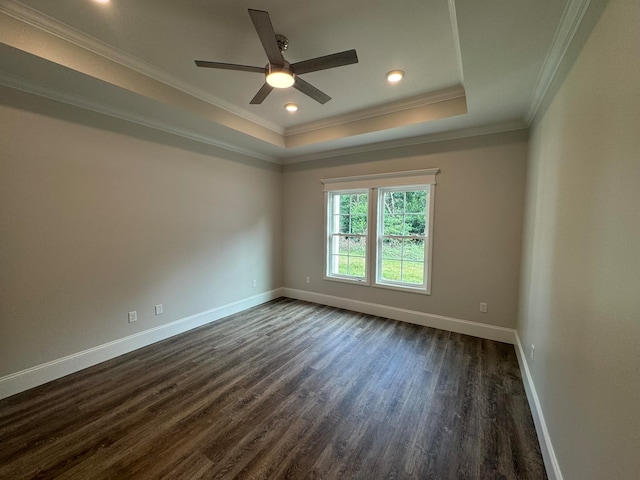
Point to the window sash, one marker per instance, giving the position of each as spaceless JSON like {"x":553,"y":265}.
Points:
{"x":333,"y":254}
{"x":380,"y":280}
{"x":403,"y":261}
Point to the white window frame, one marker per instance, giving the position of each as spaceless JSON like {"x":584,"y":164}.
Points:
{"x":424,"y":287}
{"x":373,"y":184}
{"x":330,"y":235}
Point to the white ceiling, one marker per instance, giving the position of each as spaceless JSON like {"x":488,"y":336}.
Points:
{"x":471,"y":67}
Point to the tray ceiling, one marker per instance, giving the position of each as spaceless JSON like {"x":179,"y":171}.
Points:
{"x":470,"y":67}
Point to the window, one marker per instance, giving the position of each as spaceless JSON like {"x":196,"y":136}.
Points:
{"x":348,"y":230}
{"x":395,"y":211}
{"x":402,"y":236}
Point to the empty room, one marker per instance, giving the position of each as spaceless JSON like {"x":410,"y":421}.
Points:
{"x":320,"y":240}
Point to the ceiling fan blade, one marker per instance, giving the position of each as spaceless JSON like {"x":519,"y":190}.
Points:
{"x":311,"y":91}
{"x":323,"y":63}
{"x":262,"y":94}
{"x":262,"y":23}
{"x":229,"y":66}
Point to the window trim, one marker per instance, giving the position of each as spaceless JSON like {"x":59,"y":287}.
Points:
{"x":397,"y":179}
{"x":372,"y":184}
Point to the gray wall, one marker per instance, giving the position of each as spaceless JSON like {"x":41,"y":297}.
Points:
{"x":477,"y":232}
{"x":96,"y":223}
{"x":580,"y":295}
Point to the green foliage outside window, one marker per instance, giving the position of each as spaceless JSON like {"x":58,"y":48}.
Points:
{"x":404,"y":215}
{"x":353,"y":213}
{"x":350,"y":228}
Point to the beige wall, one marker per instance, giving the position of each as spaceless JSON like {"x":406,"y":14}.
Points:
{"x":96,"y":223}
{"x":581,"y":265}
{"x":477,"y":232}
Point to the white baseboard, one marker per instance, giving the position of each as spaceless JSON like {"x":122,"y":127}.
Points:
{"x":40,"y":374}
{"x":466,"y":327}
{"x":548,"y":454}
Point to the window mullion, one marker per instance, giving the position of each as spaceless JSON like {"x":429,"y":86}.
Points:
{"x":379,"y":231}
{"x":372,"y":240}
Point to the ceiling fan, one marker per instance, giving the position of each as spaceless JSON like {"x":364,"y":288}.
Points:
{"x":278,"y":72}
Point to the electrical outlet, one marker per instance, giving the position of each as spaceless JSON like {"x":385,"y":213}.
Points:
{"x":484,"y":307}
{"x":159,"y":310}
{"x":307,"y":280}
{"x":533,"y":352}
{"x":254,"y":283}
{"x":133,"y":317}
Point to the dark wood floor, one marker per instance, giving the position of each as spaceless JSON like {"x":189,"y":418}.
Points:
{"x":286,"y":390}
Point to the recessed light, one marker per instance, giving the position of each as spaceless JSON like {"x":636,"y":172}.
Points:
{"x":102,"y":1}
{"x":395,"y":76}
{"x":291,"y":107}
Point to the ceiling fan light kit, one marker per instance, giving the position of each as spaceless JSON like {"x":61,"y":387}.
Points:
{"x":279,"y":77}
{"x":278,"y":72}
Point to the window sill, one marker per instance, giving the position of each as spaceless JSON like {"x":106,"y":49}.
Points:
{"x":402,"y":288}
{"x":352,"y":281}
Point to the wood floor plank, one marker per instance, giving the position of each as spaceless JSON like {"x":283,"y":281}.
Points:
{"x":287,"y":390}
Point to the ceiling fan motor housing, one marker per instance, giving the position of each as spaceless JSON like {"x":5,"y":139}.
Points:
{"x":283,"y":42}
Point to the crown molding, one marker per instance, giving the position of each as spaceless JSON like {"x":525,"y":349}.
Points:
{"x":567,"y":28}
{"x":385,"y":109}
{"x":47,"y":24}
{"x":36,"y":88}
{"x":456,"y":37}
{"x":412,"y":141}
